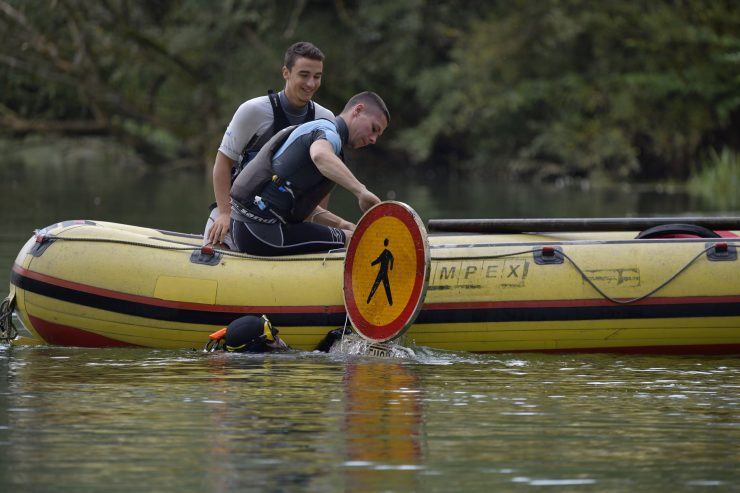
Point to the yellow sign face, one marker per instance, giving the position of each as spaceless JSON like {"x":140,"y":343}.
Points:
{"x":384,"y":270}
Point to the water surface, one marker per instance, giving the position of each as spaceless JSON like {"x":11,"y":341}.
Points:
{"x":152,"y":420}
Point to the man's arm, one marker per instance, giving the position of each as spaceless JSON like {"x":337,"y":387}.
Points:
{"x":327,"y":218}
{"x":329,"y":165}
{"x":252,"y":118}
{"x":221,"y":188}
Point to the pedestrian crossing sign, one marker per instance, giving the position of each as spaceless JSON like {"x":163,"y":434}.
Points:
{"x":386,"y":271}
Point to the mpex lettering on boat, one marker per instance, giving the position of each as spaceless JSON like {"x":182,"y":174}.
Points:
{"x":487,"y":274}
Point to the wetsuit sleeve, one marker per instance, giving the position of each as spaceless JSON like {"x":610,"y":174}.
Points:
{"x":252,"y":117}
{"x":328,"y":134}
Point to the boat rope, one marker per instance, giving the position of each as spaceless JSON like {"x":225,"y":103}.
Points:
{"x":8,"y":332}
{"x":487,"y":257}
{"x":639,"y":298}
{"x":344,"y":331}
{"x":586,"y":278}
{"x":192,"y":248}
{"x":229,"y":253}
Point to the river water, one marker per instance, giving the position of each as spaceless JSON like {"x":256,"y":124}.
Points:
{"x":151,"y":420}
{"x":147,"y":420}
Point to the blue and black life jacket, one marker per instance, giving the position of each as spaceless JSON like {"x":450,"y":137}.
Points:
{"x":264,"y":195}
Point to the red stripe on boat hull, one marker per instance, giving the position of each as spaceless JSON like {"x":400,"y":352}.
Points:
{"x":64,"y":335}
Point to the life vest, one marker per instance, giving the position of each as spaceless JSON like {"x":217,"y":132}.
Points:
{"x":255,"y":176}
{"x":279,"y":122}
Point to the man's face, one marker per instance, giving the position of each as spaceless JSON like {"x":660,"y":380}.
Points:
{"x":303,"y":80}
{"x":366,"y":127}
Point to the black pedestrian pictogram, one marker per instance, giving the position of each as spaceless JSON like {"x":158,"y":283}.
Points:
{"x":385,"y":259}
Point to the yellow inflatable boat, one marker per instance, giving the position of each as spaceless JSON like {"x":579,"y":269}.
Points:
{"x":99,"y":284}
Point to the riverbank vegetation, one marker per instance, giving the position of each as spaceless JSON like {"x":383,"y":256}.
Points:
{"x":528,"y":89}
{"x":718,"y":177}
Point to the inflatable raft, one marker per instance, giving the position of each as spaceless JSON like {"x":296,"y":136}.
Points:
{"x":101,"y":284}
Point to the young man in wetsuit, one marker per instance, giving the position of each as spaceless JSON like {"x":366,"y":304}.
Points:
{"x":258,"y":119}
{"x":276,"y":201}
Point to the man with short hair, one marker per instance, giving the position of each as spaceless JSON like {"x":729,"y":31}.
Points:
{"x":276,"y":201}
{"x":258,"y":119}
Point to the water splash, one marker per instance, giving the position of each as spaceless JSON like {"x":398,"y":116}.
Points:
{"x":352,"y":344}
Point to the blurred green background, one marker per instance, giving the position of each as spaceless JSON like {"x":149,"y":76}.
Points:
{"x":535,"y":90}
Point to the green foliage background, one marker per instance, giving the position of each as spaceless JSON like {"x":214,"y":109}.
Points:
{"x":535,"y":89}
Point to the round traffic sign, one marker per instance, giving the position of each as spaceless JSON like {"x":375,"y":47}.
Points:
{"x":386,"y":271}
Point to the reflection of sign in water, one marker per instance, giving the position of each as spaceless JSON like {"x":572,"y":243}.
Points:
{"x":389,"y":247}
{"x":383,"y":427}
{"x":385,"y":259}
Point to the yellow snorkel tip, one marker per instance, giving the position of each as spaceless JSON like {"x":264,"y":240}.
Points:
{"x":268,"y":330}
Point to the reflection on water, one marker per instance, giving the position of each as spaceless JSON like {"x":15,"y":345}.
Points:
{"x":135,"y":420}
{"x":383,"y":427}
{"x":614,"y":423}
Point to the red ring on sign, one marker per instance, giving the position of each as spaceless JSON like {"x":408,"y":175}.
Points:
{"x":395,"y":328}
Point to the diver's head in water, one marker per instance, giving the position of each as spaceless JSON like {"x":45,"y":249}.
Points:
{"x":251,"y":334}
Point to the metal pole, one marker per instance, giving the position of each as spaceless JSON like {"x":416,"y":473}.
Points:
{"x":576,"y":224}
